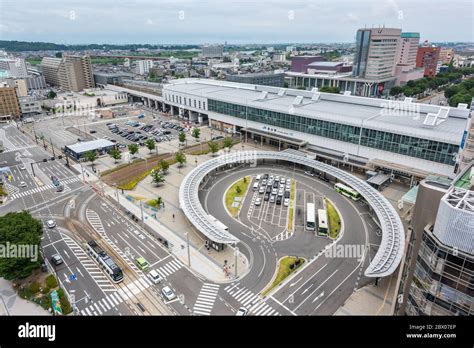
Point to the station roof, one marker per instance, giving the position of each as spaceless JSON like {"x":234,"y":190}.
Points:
{"x":401,"y":117}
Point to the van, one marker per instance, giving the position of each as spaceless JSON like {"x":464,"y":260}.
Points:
{"x":255,"y":186}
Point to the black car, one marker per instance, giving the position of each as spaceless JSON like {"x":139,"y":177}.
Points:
{"x":279,"y":199}
{"x":269,"y":189}
{"x":287,"y":194}
{"x":265,"y":176}
{"x":266,"y":197}
{"x":93,"y":131}
{"x":276,"y":184}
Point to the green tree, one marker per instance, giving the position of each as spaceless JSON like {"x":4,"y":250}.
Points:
{"x":157,"y":176}
{"x":213,"y":146}
{"x":133,"y":149}
{"x":329,"y":89}
{"x":115,"y":154}
{"x":182,"y":137}
{"x":396,"y":90}
{"x":18,"y":229}
{"x":238,"y":190}
{"x":228,"y":142}
{"x":90,"y":156}
{"x":196,"y":133}
{"x":58,"y":55}
{"x":180,"y":158}
{"x":165,"y":166}
{"x":51,"y":94}
{"x":150,"y":144}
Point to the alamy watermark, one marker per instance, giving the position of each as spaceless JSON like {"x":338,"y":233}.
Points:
{"x":346,"y":251}
{"x":20,"y":251}
{"x":401,"y":109}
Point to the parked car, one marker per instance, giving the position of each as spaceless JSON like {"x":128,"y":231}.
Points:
{"x":286,"y":202}
{"x":278,"y":200}
{"x":262,"y":189}
{"x":258,"y":201}
{"x":272,"y":199}
{"x":266,"y":197}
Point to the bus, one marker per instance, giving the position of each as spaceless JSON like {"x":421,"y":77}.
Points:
{"x":105,"y":262}
{"x":322,"y":222}
{"x":310,"y":217}
{"x":347,"y":191}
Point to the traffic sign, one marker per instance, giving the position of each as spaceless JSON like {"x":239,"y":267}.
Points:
{"x":72,"y":277}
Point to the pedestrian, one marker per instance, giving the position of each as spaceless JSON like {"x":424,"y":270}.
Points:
{"x":173,"y":217}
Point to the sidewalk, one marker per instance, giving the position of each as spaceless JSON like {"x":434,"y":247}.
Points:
{"x":371,"y":299}
{"x":208,"y":264}
{"x":12,"y":304}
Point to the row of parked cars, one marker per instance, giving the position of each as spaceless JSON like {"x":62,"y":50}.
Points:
{"x":276,"y":189}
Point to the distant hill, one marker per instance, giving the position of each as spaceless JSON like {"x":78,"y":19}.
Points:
{"x":17,"y":46}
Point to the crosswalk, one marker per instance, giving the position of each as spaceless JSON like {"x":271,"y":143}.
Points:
{"x":254,"y":303}
{"x":102,"y":280}
{"x":13,"y":149}
{"x":97,"y":225}
{"x":12,"y":190}
{"x":113,"y":299}
{"x":169,"y":268}
{"x":207,"y":297}
{"x":19,"y":194}
{"x":283,"y":236}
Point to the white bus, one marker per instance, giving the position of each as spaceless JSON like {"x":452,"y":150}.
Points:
{"x":322,"y":222}
{"x":310,"y":217}
{"x":347,"y":191}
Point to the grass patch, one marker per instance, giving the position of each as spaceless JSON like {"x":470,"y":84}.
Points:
{"x":231,"y":193}
{"x":334,"y":220}
{"x":133,"y":182}
{"x":286,"y":266}
{"x":292,"y":208}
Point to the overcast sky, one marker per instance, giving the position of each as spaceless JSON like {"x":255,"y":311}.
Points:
{"x":234,"y":21}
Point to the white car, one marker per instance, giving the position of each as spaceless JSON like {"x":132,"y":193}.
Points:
{"x":282,"y":181}
{"x":286,"y":202}
{"x":241,"y":312}
{"x":168,"y":293}
{"x":280,"y":192}
{"x":272,"y":199}
{"x":22,"y":168}
{"x":258,"y":201}
{"x":274,"y":191}
{"x":22,"y":184}
{"x":262,"y":189}
{"x":277,"y":178}
{"x":51,"y":223}
{"x":155,"y":276}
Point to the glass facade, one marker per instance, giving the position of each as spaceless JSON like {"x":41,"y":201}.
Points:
{"x":396,"y":143}
{"x":443,"y":281}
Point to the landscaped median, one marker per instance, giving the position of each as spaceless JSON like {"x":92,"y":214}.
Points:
{"x":237,"y":190}
{"x":334,"y":220}
{"x":286,"y":266}
{"x":292,"y":206}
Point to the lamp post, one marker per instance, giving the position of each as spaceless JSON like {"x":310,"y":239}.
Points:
{"x":189,"y":250}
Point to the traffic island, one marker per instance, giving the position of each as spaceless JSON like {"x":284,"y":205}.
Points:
{"x":334,"y":220}
{"x":286,"y":266}
{"x":235,"y":194}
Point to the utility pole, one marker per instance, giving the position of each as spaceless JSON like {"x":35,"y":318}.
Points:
{"x":189,"y":251}
{"x":52,"y":146}
{"x":236,"y":259}
{"x":32,"y":169}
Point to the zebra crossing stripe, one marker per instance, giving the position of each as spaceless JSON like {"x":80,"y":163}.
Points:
{"x":206,"y":298}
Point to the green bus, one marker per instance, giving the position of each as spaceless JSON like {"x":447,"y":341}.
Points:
{"x":322,"y":222}
{"x":347,"y":191}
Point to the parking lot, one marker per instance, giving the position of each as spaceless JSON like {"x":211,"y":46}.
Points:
{"x":268,"y":202}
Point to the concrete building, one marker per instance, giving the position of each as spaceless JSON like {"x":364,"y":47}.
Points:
{"x":105,"y":78}
{"x":300,"y":64}
{"x":376,"y":53}
{"x":142,"y":67}
{"x":70,"y":73}
{"x":35,"y":82}
{"x":50,"y":69}
{"x":427,"y":58}
{"x":16,"y":67}
{"x":408,"y":49}
{"x":467,"y":144}
{"x":264,"y":78}
{"x":330,"y":68}
{"x":212,"y":51}
{"x":29,"y":106}
{"x":410,"y":137}
{"x":446,"y":55}
{"x":9,"y":103}
{"x":19,"y":84}
{"x":437,"y":272}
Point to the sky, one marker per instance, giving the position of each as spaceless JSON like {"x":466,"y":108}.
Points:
{"x":234,"y":21}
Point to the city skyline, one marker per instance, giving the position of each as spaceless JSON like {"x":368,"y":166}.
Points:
{"x":192,"y":22}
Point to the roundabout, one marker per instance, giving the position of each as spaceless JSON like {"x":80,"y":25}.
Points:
{"x":254,"y":229}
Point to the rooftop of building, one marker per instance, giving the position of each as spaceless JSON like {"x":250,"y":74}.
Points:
{"x":90,"y":145}
{"x":328,"y":64}
{"x":403,"y":117}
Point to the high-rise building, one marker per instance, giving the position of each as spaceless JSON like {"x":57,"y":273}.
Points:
{"x":446,"y":55}
{"x":376,"y":53}
{"x":15,"y":67}
{"x":427,"y":57}
{"x":9,"y":103}
{"x":406,"y":70}
{"x":436,"y":276}
{"x":50,"y":69}
{"x":212,"y":51}
{"x":142,"y":67}
{"x":70,"y":73}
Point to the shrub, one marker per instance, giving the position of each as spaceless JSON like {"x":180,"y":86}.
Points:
{"x":51,"y":281}
{"x":34,"y":288}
